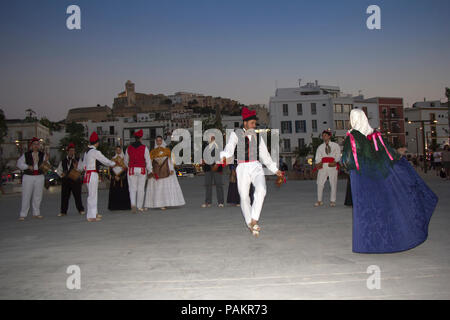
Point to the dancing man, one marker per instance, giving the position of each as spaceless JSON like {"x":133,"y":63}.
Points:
{"x":90,"y":164}
{"x":67,"y":184}
{"x":137,"y":159}
{"x":249,"y":170}
{"x":328,"y":155}
{"x":33,"y":179}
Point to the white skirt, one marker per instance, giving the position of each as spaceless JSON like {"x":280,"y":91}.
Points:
{"x":164,"y":192}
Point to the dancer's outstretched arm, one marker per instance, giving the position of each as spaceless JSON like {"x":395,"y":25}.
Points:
{"x":228,"y":151}
{"x":266,"y":159}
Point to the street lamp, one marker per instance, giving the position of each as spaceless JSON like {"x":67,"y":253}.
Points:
{"x":422,"y":123}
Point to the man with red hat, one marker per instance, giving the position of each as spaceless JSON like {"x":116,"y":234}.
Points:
{"x":249,"y":169}
{"x":137,"y":159}
{"x":33,"y":179}
{"x":68,"y":186}
{"x":90,"y":164}
{"x":328,"y":155}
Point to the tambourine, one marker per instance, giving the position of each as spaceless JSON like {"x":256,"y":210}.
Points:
{"x":45,"y":167}
{"x":280,"y":180}
{"x":74,"y":174}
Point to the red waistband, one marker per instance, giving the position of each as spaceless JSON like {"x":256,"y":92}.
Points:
{"x":327,"y":159}
{"x":87,"y":176}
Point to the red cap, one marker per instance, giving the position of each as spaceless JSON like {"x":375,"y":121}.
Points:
{"x":248,"y":114}
{"x":34,"y":139}
{"x":94,"y":137}
{"x":139,"y":133}
{"x":71,"y":145}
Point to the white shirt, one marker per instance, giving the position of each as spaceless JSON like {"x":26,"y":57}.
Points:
{"x":264,"y":154}
{"x":90,"y":157}
{"x":148,"y":162}
{"x":335,"y":152}
{"x":21,"y":164}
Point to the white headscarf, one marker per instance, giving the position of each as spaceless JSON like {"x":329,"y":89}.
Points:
{"x":359,"y":121}
{"x":163,"y":144}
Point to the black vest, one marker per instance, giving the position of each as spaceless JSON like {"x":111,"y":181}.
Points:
{"x":249,"y":150}
{"x":65,"y":164}
{"x":29,"y":161}
{"x":252,"y":152}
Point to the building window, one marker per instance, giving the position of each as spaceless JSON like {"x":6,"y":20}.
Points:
{"x":111,"y":129}
{"x":339,"y":124}
{"x":286,"y":126}
{"x":347,"y":124}
{"x":348,"y":107}
{"x":300,"y":126}
{"x":301,"y":143}
{"x":313,"y":108}
{"x":287,"y":145}
{"x":338,"y":108}
{"x":314,"y":125}
{"x":285,"y":110}
{"x":236,"y":124}
{"x":299,"y":109}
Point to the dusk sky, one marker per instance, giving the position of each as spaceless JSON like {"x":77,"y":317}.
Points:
{"x":233,"y":49}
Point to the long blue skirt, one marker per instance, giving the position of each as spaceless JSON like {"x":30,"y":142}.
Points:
{"x":392,"y":213}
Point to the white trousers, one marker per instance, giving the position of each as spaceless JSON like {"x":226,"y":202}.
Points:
{"x":92,"y":198}
{"x":246,"y":174}
{"x":136,"y":185}
{"x":322,"y":176}
{"x":32,"y":189}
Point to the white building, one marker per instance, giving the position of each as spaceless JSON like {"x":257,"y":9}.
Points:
{"x":303,"y":112}
{"x":18,"y":138}
{"x":231,"y":122}
{"x":436,"y":133}
{"x":120,"y":132}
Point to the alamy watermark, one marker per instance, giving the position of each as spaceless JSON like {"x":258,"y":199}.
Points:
{"x":182,"y":151}
{"x":374,"y":280}
{"x":73,"y":281}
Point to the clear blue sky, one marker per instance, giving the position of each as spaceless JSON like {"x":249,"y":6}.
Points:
{"x":235,"y":49}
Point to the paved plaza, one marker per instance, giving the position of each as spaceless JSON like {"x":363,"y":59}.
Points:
{"x":193,"y":253}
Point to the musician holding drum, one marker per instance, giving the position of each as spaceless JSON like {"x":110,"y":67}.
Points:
{"x":70,"y":181}
{"x":34,"y":164}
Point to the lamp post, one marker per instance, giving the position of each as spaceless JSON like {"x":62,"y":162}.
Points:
{"x":422,"y":123}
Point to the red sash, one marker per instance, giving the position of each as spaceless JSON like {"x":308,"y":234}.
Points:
{"x":328,"y":160}
{"x":87,"y":176}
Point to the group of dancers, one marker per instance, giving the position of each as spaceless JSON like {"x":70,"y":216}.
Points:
{"x":392,"y":205}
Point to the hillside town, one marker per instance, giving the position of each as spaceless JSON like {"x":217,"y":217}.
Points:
{"x":300,"y":113}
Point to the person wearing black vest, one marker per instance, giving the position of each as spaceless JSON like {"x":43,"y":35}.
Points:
{"x":249,"y":169}
{"x":32,"y":179}
{"x":68,"y":185}
{"x":212,"y":173}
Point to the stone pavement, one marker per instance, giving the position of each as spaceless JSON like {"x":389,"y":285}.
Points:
{"x":194,"y":253}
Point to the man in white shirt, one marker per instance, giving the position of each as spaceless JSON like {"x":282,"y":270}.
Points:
{"x":90,"y":164}
{"x":32,"y":179}
{"x":328,"y":155}
{"x":137,"y":159}
{"x":249,"y":170}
